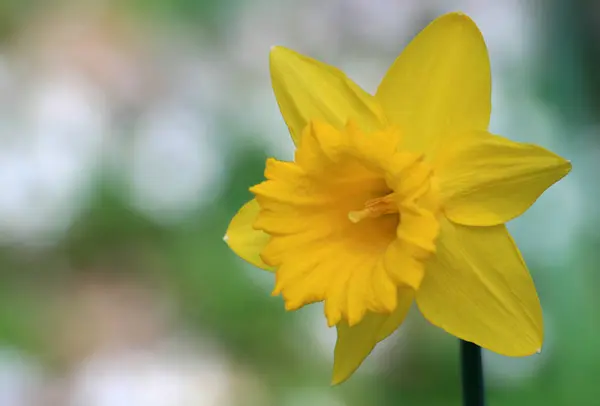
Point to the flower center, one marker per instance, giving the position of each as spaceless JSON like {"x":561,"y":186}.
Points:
{"x":375,"y":208}
{"x":324,"y":245}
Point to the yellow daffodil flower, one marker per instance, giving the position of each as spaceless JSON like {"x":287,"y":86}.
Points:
{"x":399,"y":197}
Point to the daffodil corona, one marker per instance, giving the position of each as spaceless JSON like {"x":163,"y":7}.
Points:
{"x":398,"y":197}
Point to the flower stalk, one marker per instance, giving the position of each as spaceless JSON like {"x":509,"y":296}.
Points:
{"x":472,"y":374}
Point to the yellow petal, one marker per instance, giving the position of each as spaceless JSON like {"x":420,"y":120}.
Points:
{"x":244,"y":240}
{"x":478,"y":289}
{"x":488,"y":180}
{"x":440,"y":84}
{"x":355,"y":343}
{"x":307,"y":90}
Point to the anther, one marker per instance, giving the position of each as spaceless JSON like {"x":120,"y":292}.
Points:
{"x":375,"y":208}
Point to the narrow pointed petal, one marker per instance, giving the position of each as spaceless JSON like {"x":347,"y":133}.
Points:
{"x":440,"y":84}
{"x":488,"y":180}
{"x":307,"y":90}
{"x":244,"y":240}
{"x":478,"y":289}
{"x":355,"y":343}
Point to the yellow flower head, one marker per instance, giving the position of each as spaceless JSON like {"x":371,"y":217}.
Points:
{"x":397,"y":197}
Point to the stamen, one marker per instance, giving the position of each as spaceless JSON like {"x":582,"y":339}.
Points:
{"x":375,"y":208}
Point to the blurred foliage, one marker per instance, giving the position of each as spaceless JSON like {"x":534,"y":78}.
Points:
{"x":12,"y":13}
{"x":205,"y":13}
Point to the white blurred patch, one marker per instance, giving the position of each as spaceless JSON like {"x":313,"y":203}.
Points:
{"x":548,"y":230}
{"x":508,"y":27}
{"x":160,"y":377}
{"x":173,"y":165}
{"x":202,"y":78}
{"x":261,"y":117}
{"x":381,"y":23}
{"x":48,"y":158}
{"x":262,"y":24}
{"x":20,"y":378}
{"x":367,"y":73}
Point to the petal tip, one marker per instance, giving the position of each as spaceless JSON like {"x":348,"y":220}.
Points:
{"x":336,"y":381}
{"x":338,"y":377}
{"x":274,"y":54}
{"x":276,"y":51}
{"x":565,"y":165}
{"x":275,"y":48}
{"x":458,"y":16}
{"x":539,"y":351}
{"x":457,"y":19}
{"x":226,"y":239}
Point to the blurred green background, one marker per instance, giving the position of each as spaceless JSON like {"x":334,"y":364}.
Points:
{"x":130,"y":131}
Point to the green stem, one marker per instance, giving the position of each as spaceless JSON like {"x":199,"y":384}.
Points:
{"x":472,"y":374}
